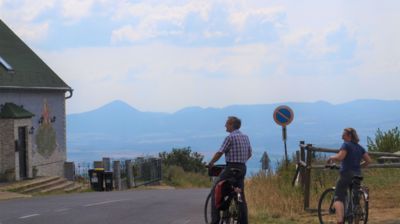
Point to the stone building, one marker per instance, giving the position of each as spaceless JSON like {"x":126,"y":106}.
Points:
{"x":32,"y":112}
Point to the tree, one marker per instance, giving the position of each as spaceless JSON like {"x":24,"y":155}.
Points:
{"x":385,"y":141}
{"x":185,"y":158}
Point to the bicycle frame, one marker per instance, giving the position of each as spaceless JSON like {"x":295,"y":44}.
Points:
{"x":354,"y":211}
{"x":353,"y":200}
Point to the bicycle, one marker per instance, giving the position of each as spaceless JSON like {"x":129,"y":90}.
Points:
{"x":355,"y":205}
{"x":231,"y":212}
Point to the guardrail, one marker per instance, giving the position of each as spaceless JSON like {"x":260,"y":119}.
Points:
{"x":304,"y":159}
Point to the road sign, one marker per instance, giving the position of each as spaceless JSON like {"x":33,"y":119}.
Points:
{"x":283,"y":115}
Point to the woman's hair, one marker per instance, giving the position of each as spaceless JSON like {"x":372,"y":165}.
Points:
{"x":353,"y":134}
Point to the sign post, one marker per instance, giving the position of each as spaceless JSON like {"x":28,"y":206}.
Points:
{"x":283,"y":116}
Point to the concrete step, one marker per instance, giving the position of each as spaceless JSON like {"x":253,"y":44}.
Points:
{"x":74,"y":188}
{"x":24,"y":184}
{"x":66,"y":184}
{"x":44,"y":186}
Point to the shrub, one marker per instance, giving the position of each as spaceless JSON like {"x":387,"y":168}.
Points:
{"x":385,"y":141}
{"x":185,"y":158}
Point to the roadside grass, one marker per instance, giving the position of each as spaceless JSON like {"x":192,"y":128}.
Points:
{"x":272,"y":198}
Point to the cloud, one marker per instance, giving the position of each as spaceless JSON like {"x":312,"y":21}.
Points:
{"x":213,"y":20}
{"x":155,"y":20}
{"x":75,"y":10}
{"x":21,"y":16}
{"x":33,"y":32}
{"x":240,"y":17}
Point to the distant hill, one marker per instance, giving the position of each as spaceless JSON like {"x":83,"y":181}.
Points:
{"x":119,"y":130}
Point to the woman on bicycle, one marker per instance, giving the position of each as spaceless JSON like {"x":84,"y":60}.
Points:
{"x":350,"y":154}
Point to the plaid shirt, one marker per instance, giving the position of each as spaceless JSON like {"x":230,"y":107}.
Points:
{"x":236,"y":147}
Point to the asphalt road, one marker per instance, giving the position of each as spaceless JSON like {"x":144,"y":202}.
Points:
{"x":137,"y":206}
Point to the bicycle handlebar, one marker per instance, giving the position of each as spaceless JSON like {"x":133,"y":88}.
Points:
{"x":215,"y":170}
{"x":332,"y":166}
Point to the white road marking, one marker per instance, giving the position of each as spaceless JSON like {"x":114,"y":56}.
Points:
{"x":187,"y":221}
{"x":105,"y":202}
{"x":60,"y":210}
{"x":28,"y":216}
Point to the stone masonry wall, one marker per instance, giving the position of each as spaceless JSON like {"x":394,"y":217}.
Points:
{"x":7,"y":150}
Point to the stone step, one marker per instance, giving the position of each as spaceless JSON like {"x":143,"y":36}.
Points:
{"x":44,"y":186}
{"x":21,"y":185}
{"x":62,"y":186}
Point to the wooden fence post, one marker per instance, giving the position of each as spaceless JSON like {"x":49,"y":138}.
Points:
{"x":302,"y":158}
{"x":307,"y":178}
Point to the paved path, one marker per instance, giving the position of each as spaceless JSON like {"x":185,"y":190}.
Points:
{"x":137,"y":206}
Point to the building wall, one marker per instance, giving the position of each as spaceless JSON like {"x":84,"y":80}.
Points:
{"x":48,"y":140}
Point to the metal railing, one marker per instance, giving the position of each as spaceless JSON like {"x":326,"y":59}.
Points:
{"x":127,"y":173}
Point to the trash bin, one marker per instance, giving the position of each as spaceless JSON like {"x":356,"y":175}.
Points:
{"x":96,"y":179}
{"x":108,"y":179}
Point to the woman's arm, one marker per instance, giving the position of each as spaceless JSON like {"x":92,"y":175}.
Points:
{"x":339,"y":156}
{"x":367,"y":160}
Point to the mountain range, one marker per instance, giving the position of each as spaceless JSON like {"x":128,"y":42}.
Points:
{"x":119,"y":130}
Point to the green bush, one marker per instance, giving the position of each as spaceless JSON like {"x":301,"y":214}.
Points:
{"x":184,"y":168}
{"x":185,"y":158}
{"x":385,"y":141}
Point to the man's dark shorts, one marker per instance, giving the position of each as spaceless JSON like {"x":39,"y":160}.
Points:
{"x":342,"y":185}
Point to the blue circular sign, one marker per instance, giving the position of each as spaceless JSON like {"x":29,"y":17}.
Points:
{"x":283,"y":115}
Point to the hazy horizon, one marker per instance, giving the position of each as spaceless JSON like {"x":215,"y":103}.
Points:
{"x":221,"y":107}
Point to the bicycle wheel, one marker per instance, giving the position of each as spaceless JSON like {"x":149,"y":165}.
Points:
{"x":232,"y":214}
{"x":326,"y":211}
{"x":361,"y":210}
{"x":207,"y":209}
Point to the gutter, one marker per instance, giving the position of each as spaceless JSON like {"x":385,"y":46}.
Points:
{"x":71,"y":91}
{"x":67,"y":89}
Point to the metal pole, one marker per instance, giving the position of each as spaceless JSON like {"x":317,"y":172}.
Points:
{"x":284,"y":142}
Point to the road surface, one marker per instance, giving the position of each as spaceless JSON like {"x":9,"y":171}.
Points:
{"x":125,"y":207}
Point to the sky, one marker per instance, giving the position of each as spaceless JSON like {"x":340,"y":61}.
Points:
{"x":165,"y":55}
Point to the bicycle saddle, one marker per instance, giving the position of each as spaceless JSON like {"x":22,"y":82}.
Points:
{"x":357,"y":180}
{"x":236,"y":172}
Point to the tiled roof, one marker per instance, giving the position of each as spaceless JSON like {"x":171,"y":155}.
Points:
{"x":28,"y":70}
{"x":10,"y":110}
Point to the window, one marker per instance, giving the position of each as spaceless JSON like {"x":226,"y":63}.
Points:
{"x":6,"y":65}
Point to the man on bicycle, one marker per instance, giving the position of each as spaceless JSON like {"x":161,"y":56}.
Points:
{"x":237,"y":150}
{"x":350,"y":155}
